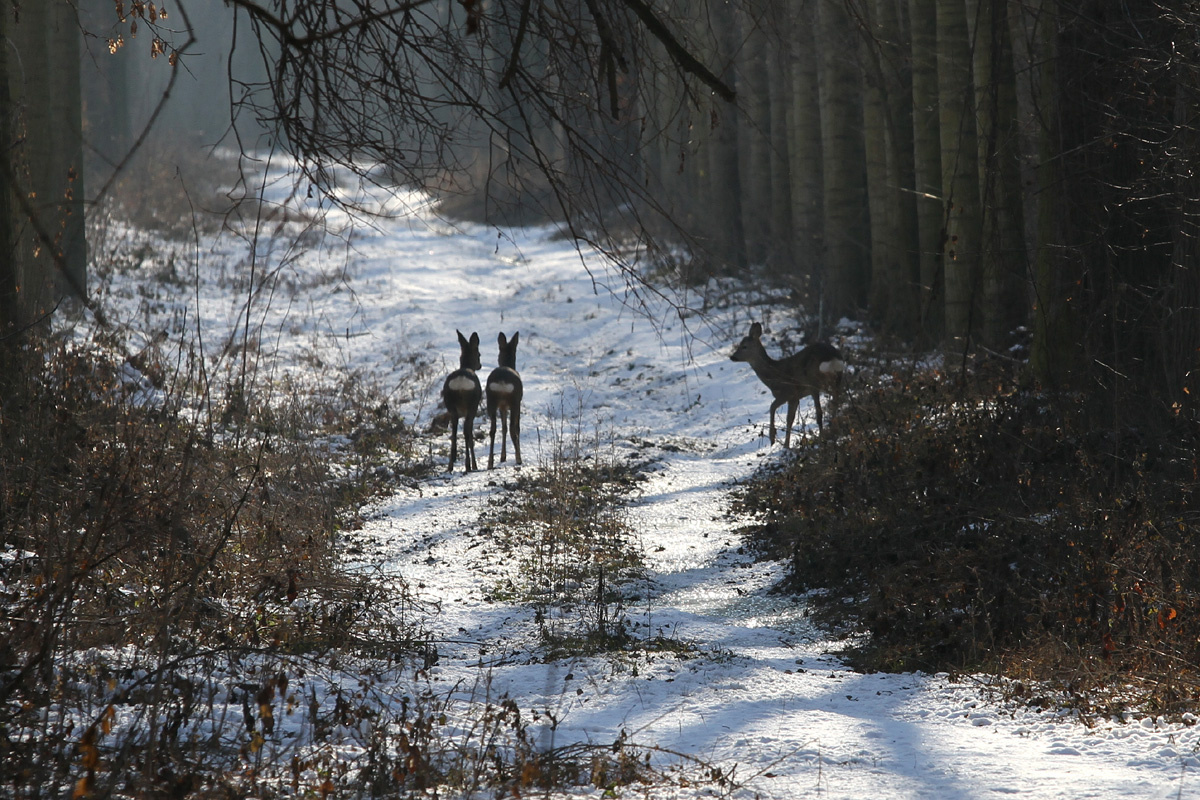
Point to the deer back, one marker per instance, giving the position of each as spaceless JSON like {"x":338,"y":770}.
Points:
{"x":504,"y":385}
{"x":818,"y":367}
{"x":461,"y":392}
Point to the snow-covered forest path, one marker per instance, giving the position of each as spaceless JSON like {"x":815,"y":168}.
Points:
{"x":759,"y":693}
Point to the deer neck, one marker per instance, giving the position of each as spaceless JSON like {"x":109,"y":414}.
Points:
{"x":763,"y":365}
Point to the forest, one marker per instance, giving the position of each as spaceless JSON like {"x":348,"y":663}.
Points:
{"x":972,"y":176}
{"x":1003,"y":194}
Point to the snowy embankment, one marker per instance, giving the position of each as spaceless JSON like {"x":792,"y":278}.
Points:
{"x":761,"y":696}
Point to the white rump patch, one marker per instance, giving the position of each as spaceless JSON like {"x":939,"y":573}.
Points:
{"x":502,"y":387}
{"x":833,"y":365}
{"x":462,"y":384}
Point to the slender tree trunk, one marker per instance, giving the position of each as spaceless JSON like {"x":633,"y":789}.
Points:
{"x":66,"y":123}
{"x":1056,"y":343}
{"x":897,"y":73}
{"x":1181,"y":346}
{"x":804,"y":151}
{"x":847,"y":250}
{"x":10,"y":265}
{"x":1003,"y":255}
{"x":754,"y":94}
{"x":44,"y":165}
{"x":888,"y":134}
{"x":725,"y":223}
{"x":960,"y":176}
{"x":927,"y":167}
{"x":875,"y":147}
{"x":779,"y":253}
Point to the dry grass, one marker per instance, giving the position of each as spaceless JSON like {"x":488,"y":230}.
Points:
{"x":578,"y":561}
{"x":133,"y":542}
{"x":979,"y":525}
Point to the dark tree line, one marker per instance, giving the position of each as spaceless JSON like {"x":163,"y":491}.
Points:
{"x":955,"y":170}
{"x":951,"y":170}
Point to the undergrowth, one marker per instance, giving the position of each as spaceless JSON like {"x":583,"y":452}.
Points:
{"x":973,"y":524}
{"x":578,"y":562}
{"x":154,"y":573}
{"x":175,"y":616}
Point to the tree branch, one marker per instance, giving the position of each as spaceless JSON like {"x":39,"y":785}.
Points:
{"x":285,"y":28}
{"x":679,"y":54}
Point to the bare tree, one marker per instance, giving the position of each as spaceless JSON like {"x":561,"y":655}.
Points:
{"x":528,"y":105}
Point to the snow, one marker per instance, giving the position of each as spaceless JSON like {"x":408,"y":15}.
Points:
{"x":763,"y":695}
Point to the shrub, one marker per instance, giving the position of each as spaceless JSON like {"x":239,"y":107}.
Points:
{"x":975,"y":524}
{"x":138,"y":552}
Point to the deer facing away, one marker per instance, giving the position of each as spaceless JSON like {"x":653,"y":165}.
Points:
{"x":461,"y":394}
{"x":816,"y":368}
{"x":504,"y":391}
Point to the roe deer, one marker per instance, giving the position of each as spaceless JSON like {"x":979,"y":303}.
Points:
{"x":504,"y":391}
{"x":461,"y":393}
{"x":815,"y":368}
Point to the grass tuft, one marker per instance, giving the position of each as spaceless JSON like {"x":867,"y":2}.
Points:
{"x":577,"y":558}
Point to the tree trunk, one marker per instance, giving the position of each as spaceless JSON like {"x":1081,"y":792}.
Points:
{"x":804,"y":147}
{"x":898,"y":80}
{"x":1056,"y":343}
{"x":927,"y":167}
{"x":10,"y":265}
{"x":779,"y":253}
{"x":847,"y":256}
{"x":755,"y":99}
{"x":888,"y":131}
{"x":1181,"y":346}
{"x":960,"y":175}
{"x":1003,"y":255}
{"x":725,"y":222}
{"x":44,"y":166}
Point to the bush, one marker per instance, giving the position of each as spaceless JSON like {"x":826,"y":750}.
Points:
{"x":141,"y":556}
{"x":978,"y":525}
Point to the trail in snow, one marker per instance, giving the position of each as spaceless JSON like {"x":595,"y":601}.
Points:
{"x":762,"y":696}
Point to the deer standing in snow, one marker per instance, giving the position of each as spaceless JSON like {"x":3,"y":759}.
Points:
{"x":816,"y":368}
{"x":504,"y":391}
{"x":461,"y":394}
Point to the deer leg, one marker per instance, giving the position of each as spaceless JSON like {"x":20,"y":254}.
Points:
{"x":453,"y":442}
{"x":469,"y":441}
{"x":516,"y":431}
{"x":791,"y":417}
{"x":504,"y":435}
{"x":492,"y":446}
{"x":817,"y":407}
{"x":774,"y":406}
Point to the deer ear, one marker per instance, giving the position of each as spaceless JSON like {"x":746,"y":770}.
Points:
{"x":756,"y":330}
{"x":513,"y":340}
{"x":475,"y":339}
{"x":501,"y":340}
{"x":461,"y":339}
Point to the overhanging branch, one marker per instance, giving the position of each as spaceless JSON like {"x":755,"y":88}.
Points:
{"x":679,"y":54}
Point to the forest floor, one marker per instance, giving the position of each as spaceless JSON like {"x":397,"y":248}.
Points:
{"x":667,"y":667}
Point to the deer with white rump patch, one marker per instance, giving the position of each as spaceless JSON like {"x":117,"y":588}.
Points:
{"x":461,"y":394}
{"x":504,"y":391}
{"x":816,"y":368}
